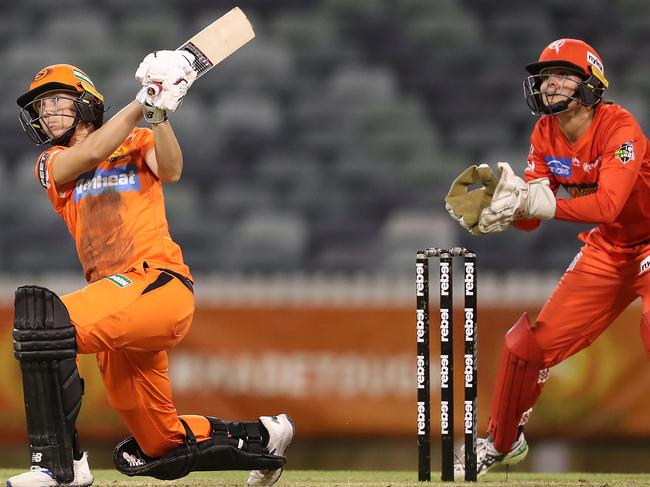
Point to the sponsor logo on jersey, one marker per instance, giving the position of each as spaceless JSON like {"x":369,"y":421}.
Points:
{"x":625,"y":153}
{"x":118,"y":155}
{"x":589,"y":166}
{"x":559,"y":166}
{"x":645,"y":265}
{"x":530,"y":163}
{"x":123,"y":178}
{"x":574,"y":262}
{"x":43,"y":178}
{"x":120,"y":280}
{"x":577,"y":190}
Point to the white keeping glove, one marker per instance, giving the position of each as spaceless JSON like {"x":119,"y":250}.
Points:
{"x":516,"y":200}
{"x":167,"y":75}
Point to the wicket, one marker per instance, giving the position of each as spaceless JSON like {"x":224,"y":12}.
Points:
{"x":470,"y":416}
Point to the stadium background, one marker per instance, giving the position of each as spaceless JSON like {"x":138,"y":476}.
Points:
{"x":317,"y":159}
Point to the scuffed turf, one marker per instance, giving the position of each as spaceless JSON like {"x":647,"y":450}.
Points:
{"x":319,"y":478}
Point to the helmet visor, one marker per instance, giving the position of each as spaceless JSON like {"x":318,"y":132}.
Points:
{"x":549,"y":94}
{"x":50,"y":117}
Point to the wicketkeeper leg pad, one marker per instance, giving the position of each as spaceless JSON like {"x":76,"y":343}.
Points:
{"x":519,"y":383}
{"x":46,"y":347}
{"x":233,"y":446}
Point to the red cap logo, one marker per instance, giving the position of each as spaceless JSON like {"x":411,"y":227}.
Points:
{"x":556,"y":45}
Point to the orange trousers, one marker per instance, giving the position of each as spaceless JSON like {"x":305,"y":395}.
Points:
{"x":599,"y":284}
{"x":130,"y":321}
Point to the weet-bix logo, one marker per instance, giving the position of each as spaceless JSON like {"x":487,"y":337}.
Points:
{"x":560,"y":166}
{"x":123,"y":178}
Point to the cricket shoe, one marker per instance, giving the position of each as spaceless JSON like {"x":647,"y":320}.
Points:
{"x":488,"y":457}
{"x":281,"y":432}
{"x":42,"y":477}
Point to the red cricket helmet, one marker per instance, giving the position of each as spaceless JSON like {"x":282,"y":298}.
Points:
{"x":577,"y":56}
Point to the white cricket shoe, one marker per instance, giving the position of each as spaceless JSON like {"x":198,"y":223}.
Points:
{"x":488,"y":457}
{"x":42,"y":477}
{"x":281,"y":431}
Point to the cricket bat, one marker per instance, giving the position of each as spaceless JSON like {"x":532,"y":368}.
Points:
{"x":215,"y":43}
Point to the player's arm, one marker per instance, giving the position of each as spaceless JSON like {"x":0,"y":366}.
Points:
{"x":615,"y":182}
{"x":165,"y":159}
{"x":516,"y":199}
{"x":97,"y":146}
{"x":536,"y":168}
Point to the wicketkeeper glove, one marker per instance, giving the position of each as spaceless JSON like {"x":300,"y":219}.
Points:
{"x":515,"y":199}
{"x":466,"y":206}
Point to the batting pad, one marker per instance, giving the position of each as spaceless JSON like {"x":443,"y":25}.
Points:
{"x":46,"y":347}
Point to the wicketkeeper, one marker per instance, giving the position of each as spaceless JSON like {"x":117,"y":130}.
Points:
{"x":596,"y":150}
{"x":105,"y":182}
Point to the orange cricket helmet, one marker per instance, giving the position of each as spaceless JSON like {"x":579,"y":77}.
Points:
{"x":577,"y":56}
{"x":88,"y":101}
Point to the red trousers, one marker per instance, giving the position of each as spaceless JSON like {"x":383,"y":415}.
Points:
{"x":600,"y":283}
{"x":130,"y":321}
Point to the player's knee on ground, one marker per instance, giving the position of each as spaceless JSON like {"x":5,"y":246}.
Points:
{"x":45,"y":345}
{"x":232,"y":446}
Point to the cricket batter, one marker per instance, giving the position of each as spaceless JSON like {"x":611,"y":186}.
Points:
{"x":596,"y":150}
{"x":105,"y":182}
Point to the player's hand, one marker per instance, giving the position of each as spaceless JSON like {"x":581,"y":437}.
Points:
{"x":167,"y":75}
{"x":466,"y":206}
{"x":515,"y":199}
{"x":151,"y":114}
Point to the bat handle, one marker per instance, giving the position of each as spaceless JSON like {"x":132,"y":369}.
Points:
{"x":153,"y":88}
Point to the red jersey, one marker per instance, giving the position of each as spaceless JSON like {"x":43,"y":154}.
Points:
{"x":606,"y":172}
{"x":115,"y":212}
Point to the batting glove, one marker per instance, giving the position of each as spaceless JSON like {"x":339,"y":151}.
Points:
{"x":167,"y":75}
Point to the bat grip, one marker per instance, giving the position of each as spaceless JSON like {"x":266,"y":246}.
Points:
{"x":153,"y":88}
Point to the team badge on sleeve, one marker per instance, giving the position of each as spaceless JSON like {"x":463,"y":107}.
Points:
{"x":625,"y":153}
{"x":42,"y":170}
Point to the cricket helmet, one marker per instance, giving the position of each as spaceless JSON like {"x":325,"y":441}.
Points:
{"x":577,"y":56}
{"x":88,"y":102}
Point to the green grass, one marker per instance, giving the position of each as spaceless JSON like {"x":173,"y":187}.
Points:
{"x":319,"y":478}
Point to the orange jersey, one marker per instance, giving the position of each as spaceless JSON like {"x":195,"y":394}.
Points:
{"x":115,"y":212}
{"x":606,"y":173}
